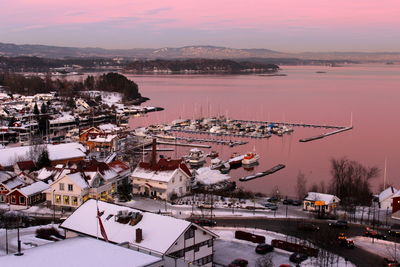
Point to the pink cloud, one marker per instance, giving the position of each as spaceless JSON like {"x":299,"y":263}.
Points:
{"x":206,"y":13}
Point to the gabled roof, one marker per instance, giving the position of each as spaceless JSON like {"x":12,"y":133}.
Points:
{"x":26,"y":165}
{"x":166,"y":165}
{"x":118,"y":166}
{"x":387,"y":193}
{"x":327,"y":198}
{"x":79,"y":179}
{"x":32,"y":189}
{"x":159,"y":232}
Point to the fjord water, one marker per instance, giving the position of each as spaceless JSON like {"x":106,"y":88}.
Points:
{"x":370,"y":92}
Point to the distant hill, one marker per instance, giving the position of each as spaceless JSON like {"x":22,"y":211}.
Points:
{"x":213,"y":52}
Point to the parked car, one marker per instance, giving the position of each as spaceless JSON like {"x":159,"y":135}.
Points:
{"x":205,"y":222}
{"x":308,"y":227}
{"x":238,"y":263}
{"x":264,"y":248}
{"x":391,"y":262}
{"x":298,"y":257}
{"x":273,"y":199}
{"x":296,"y":203}
{"x":394,"y":230}
{"x":373,"y":233}
{"x":271,"y":206}
{"x":339,"y":224}
{"x":287,"y":202}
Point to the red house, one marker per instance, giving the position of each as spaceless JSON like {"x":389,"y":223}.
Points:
{"x":396,"y":205}
{"x":27,"y":196}
{"x":8,"y":182}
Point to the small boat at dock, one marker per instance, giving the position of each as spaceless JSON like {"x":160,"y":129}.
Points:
{"x":250,"y":158}
{"x":196,"y":157}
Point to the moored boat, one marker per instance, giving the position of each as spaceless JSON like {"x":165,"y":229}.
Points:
{"x":250,"y":158}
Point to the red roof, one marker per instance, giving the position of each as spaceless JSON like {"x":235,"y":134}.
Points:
{"x":26,"y":165}
{"x":166,"y":165}
{"x":118,"y":164}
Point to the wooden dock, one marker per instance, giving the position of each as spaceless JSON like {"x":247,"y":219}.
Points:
{"x":182,"y":144}
{"x":293,"y":124}
{"x":325,"y":134}
{"x":261,"y":174}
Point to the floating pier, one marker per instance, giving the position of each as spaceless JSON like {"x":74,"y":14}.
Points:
{"x":325,"y":134}
{"x":291,"y":124}
{"x":261,"y":174}
{"x":182,"y":144}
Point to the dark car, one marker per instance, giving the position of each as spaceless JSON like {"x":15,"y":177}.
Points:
{"x":264,"y":248}
{"x":339,"y":224}
{"x":271,"y":206}
{"x":296,"y":203}
{"x":238,"y":263}
{"x":205,"y":222}
{"x":273,"y":199}
{"x":394,"y":230}
{"x":391,"y":262}
{"x":308,"y":227}
{"x":287,"y":202}
{"x":298,"y":257}
{"x":373,"y":233}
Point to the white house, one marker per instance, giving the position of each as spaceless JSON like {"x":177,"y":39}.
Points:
{"x":318,"y":201}
{"x":164,"y":179}
{"x":82,"y":251}
{"x":385,"y":198}
{"x":145,"y":231}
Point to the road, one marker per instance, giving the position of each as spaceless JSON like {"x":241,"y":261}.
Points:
{"x":289,"y":227}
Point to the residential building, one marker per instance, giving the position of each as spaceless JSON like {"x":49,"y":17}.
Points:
{"x":24,"y":197}
{"x":82,"y":251}
{"x":176,"y":238}
{"x":165,"y":179}
{"x":8,"y":182}
{"x":320,"y":202}
{"x":24,"y":166}
{"x":385,"y":198}
{"x":396,"y":205}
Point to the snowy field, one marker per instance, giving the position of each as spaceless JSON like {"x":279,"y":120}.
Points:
{"x":227,"y":248}
{"x":382,"y":248}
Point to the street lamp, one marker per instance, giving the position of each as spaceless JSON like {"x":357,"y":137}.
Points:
{"x":54,"y":208}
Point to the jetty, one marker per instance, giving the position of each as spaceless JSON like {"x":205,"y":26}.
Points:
{"x":292,"y":124}
{"x":261,"y":174}
{"x":183,"y":144}
{"x":325,"y":134}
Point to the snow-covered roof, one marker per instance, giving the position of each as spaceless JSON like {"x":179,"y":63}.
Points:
{"x":207,"y":176}
{"x":34,"y":188}
{"x":80,"y":251}
{"x":103,"y":139}
{"x":327,"y":198}
{"x":387,"y":193}
{"x":78,"y":179}
{"x":159,"y":232}
{"x":9,"y":156}
{"x":13,"y":183}
{"x":162,"y":176}
{"x":108,"y":127}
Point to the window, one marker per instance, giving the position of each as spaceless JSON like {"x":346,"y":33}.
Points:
{"x":58,"y":199}
{"x":61,"y":185}
{"x":189,"y":233}
{"x":1,"y":198}
{"x":74,"y":201}
{"x":173,"y":180}
{"x":66,"y":200}
{"x":180,"y":190}
{"x":13,"y":199}
{"x":70,"y":187}
{"x":180,"y":178}
{"x":21,"y":200}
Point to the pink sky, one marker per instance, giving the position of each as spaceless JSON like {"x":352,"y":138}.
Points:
{"x":364,"y":24}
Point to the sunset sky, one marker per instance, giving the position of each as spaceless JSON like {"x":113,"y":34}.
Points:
{"x":284,"y":25}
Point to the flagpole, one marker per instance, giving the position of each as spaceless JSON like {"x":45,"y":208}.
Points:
{"x":97,"y":219}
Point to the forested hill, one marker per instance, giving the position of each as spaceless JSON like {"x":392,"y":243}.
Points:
{"x":199,"y":66}
{"x":30,"y":85}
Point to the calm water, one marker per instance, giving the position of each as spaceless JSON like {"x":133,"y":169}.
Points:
{"x":370,"y":92}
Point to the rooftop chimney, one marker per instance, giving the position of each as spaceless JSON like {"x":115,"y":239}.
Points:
{"x":139,"y":235}
{"x":154,"y":153}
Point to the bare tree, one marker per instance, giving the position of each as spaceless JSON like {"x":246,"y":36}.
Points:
{"x":301,"y":186}
{"x":350,"y":181}
{"x":264,"y":261}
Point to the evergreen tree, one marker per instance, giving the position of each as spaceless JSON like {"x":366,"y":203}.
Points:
{"x":36,"y":109}
{"x":43,"y":108}
{"x":43,"y":160}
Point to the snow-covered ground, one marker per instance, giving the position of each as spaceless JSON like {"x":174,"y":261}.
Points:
{"x":227,"y":248}
{"x":27,"y":236}
{"x":207,"y":176}
{"x":382,"y":248}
